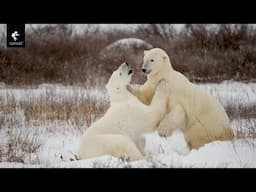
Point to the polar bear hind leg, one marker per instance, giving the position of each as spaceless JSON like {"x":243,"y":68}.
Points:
{"x":198,"y":135}
{"x":113,"y":144}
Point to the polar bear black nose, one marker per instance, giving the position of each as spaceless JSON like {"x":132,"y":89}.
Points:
{"x":143,"y":70}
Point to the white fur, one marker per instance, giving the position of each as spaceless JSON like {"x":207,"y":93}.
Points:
{"x":191,"y":109}
{"x":119,"y":131}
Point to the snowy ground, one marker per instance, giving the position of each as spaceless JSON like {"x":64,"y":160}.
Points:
{"x":57,"y":141}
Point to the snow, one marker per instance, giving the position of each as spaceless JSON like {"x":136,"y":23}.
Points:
{"x":231,"y":91}
{"x":217,"y":154}
{"x":127,"y":43}
{"x":59,"y":140}
{"x":58,"y":91}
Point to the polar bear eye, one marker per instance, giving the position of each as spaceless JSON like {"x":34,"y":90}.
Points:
{"x":151,"y":60}
{"x":120,"y":74}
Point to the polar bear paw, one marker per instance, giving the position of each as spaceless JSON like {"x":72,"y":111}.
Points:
{"x":162,"y":82}
{"x":124,"y":157}
{"x":164,"y":131}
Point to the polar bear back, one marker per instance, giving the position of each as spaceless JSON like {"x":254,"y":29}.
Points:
{"x":198,"y":103}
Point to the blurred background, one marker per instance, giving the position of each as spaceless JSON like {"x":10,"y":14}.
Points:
{"x":86,"y":54}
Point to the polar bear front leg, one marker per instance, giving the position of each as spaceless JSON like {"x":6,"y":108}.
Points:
{"x":175,"y":119}
{"x":160,"y":98}
{"x":144,"y":93}
{"x":133,"y":90}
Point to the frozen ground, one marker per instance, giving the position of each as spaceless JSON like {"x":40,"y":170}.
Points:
{"x":58,"y":141}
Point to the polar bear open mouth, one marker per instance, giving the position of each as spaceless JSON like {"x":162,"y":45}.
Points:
{"x":130,"y":72}
{"x":128,"y":67}
{"x":146,"y":71}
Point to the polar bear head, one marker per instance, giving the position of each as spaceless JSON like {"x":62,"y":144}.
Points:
{"x":155,"y":60}
{"x":117,"y":84}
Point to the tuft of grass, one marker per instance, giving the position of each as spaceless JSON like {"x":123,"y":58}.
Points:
{"x":79,"y":109}
{"x":244,"y":128}
{"x":18,"y":147}
{"x":240,"y":111}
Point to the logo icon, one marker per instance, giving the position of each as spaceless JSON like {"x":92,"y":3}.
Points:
{"x":15,"y":35}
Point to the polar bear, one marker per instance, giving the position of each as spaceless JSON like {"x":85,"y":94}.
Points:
{"x":119,"y":131}
{"x":191,"y":109}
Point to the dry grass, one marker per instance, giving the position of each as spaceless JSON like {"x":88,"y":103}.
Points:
{"x":19,"y":118}
{"x":54,"y":54}
{"x":244,"y":128}
{"x":240,"y":134}
{"x":205,"y":53}
{"x":19,"y":146}
{"x":238,"y":111}
{"x":78,"y":110}
{"x":244,"y":116}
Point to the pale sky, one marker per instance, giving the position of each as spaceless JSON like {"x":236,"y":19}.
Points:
{"x":105,"y":27}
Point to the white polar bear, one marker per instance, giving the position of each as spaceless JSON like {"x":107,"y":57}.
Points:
{"x":191,"y":109}
{"x":119,"y":131}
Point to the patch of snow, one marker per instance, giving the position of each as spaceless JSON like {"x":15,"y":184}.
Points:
{"x":232,"y":92}
{"x":59,"y":140}
{"x":2,"y":85}
{"x":58,"y":92}
{"x":156,"y":144}
{"x":127,"y":43}
{"x":58,"y":148}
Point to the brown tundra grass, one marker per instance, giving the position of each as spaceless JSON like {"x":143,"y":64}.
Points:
{"x":17,"y":116}
{"x":77,"y":110}
{"x":19,"y":145}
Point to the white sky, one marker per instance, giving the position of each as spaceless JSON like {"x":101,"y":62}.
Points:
{"x":104,"y":27}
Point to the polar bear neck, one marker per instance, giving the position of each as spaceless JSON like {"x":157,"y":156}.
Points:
{"x":119,"y":95}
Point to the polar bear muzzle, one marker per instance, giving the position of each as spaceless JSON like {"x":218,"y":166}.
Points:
{"x":146,"y":71}
{"x":129,"y":69}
